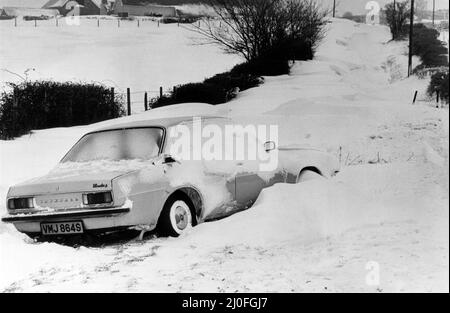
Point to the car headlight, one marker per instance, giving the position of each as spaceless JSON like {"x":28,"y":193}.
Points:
{"x":21,"y":203}
{"x":97,"y":198}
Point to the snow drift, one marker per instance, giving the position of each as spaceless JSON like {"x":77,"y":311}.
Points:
{"x":389,"y":204}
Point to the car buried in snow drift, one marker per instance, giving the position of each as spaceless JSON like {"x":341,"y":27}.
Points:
{"x":133,"y":175}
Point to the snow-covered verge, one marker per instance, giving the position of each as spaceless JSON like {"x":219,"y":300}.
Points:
{"x":388,"y":205}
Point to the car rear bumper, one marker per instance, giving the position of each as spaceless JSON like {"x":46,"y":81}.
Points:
{"x":95,"y":219}
{"x":51,"y":216}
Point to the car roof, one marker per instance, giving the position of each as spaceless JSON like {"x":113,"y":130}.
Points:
{"x":157,"y":122}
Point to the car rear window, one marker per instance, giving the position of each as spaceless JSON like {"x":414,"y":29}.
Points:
{"x":116,"y":145}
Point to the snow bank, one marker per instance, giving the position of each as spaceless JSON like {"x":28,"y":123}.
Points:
{"x":309,"y":211}
{"x":19,"y":264}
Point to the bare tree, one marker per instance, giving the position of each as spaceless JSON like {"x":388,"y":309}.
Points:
{"x":397,"y":18}
{"x":259,"y":28}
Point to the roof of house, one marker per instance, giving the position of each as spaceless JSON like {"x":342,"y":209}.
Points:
{"x":164,"y":2}
{"x":54,"y":3}
{"x":62,"y":3}
{"x":98,"y":3}
{"x":140,"y":2}
{"x":135,"y":2}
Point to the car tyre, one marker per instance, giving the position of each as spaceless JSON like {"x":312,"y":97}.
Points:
{"x":308,"y":175}
{"x":177,"y":216}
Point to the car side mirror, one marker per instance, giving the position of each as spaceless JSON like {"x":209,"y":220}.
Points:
{"x":269,"y":146}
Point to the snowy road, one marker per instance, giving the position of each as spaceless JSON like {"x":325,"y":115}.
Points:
{"x":387,"y":211}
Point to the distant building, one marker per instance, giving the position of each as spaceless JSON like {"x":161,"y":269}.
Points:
{"x":4,"y":15}
{"x":29,"y":12}
{"x":86,"y":7}
{"x":142,"y":8}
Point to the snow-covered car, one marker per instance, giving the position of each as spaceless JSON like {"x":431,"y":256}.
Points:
{"x":128,"y":176}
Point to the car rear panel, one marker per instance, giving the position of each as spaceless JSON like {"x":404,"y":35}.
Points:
{"x":64,"y":185}
{"x":60,"y":201}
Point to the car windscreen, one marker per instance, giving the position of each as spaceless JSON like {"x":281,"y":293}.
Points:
{"x":116,"y":145}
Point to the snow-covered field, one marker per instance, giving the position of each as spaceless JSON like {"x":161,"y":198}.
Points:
{"x":142,"y":58}
{"x":386,"y":213}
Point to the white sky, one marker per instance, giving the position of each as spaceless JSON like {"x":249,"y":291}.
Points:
{"x":354,"y":6}
{"x":23,"y":3}
{"x":358,"y":6}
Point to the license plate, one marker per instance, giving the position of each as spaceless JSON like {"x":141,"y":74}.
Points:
{"x":63,"y":228}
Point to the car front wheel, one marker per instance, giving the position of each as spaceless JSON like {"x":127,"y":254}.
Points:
{"x":176,"y":217}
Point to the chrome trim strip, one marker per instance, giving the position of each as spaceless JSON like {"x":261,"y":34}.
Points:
{"x":58,"y":215}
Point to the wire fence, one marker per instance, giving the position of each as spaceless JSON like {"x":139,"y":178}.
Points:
{"x":138,"y":101}
{"x":93,"y":21}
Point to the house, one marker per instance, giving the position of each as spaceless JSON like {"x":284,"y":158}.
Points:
{"x":4,"y":15}
{"x":87,"y":7}
{"x":142,"y":8}
{"x":29,"y":12}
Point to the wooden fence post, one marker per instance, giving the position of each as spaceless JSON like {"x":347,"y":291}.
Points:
{"x":437,"y":98}
{"x":340,"y":154}
{"x":415,"y":97}
{"x":14,"y":108}
{"x":138,"y":22}
{"x":98,"y":22}
{"x":160,"y":92}
{"x":128,"y":102}
{"x":35,"y":22}
{"x":15,"y":100}
{"x":112,"y":98}
{"x":15,"y":22}
{"x":145,"y":101}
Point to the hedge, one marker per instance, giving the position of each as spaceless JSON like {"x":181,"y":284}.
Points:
{"x":223,"y":87}
{"x":439,"y":82}
{"x":47,"y":104}
{"x":428,"y":47}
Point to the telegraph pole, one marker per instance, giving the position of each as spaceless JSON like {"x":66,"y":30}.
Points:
{"x":334,"y":8}
{"x":411,"y":29}
{"x":395,"y":19}
{"x":434,"y":7}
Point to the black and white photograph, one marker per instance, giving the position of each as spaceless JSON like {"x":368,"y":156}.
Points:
{"x":224,"y":151}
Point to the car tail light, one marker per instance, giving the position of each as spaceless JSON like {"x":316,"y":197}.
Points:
{"x":21,"y":203}
{"x":97,"y":198}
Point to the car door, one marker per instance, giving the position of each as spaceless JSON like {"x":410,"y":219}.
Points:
{"x":253,"y":176}
{"x":248,"y":188}
{"x":249,"y":179}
